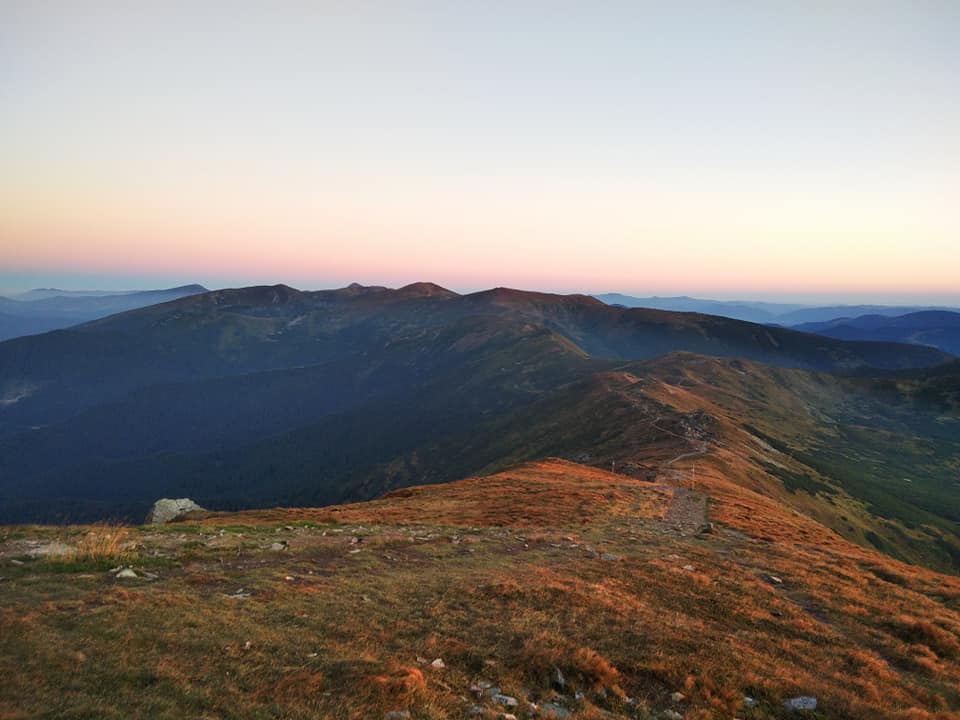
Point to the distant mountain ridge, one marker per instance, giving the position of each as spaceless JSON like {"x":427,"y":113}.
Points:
{"x":787,"y":314}
{"x":45,"y":309}
{"x":935,"y":328}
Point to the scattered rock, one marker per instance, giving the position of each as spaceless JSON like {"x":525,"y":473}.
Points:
{"x":672,"y":715}
{"x":749,"y":702}
{"x":801,"y":702}
{"x":126,"y":574}
{"x":240,"y":594}
{"x":689,"y":568}
{"x":16,"y":562}
{"x":554,"y":711}
{"x":506,"y":700}
{"x":170,"y":510}
{"x":579,"y":696}
{"x":677,"y":697}
{"x":775,"y":580}
{"x":475,"y":710}
{"x":558,"y":681}
{"x":707,"y":529}
{"x":278,"y":546}
{"x":397,"y":715}
{"x":51,"y":549}
{"x":438,"y":664}
{"x":609,"y":556}
{"x":247,"y":645}
{"x":506,"y":716}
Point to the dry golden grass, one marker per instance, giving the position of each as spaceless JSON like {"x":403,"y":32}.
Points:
{"x":104,"y":542}
{"x":337,"y":628}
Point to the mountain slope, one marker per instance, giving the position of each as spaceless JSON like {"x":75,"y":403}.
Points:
{"x":573,"y":591}
{"x":266,"y":396}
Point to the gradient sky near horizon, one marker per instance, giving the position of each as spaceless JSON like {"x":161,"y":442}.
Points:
{"x":750,"y":149}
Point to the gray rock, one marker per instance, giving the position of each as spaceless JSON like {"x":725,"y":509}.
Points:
{"x":672,"y":715}
{"x":554,"y":711}
{"x":677,"y":697}
{"x":126,"y":574}
{"x":475,"y":710}
{"x":169,"y":510}
{"x":397,"y":715}
{"x":801,"y":702}
{"x":505,"y":700}
{"x":278,"y":546}
{"x":558,"y":681}
{"x":609,"y":556}
{"x":749,"y":702}
{"x":438,"y":664}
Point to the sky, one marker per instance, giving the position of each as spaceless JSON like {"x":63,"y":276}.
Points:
{"x":767,"y":149}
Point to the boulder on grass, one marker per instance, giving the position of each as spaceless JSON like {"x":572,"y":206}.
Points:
{"x":169,"y":510}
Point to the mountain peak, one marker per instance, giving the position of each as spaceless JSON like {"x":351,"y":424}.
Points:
{"x":425,"y":289}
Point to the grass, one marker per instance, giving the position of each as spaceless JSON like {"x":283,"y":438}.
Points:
{"x":502,"y":578}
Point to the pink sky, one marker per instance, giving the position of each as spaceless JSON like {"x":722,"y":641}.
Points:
{"x":808,"y":151}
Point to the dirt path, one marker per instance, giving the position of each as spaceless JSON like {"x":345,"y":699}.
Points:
{"x":687,"y":512}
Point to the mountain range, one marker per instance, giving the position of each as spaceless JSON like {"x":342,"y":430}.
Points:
{"x":936,"y":328}
{"x":44,"y":309}
{"x":268,"y":396}
{"x":787,"y":314}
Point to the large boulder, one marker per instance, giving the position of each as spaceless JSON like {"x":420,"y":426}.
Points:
{"x":168,"y":510}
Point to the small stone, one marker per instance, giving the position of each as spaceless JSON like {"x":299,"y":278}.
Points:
{"x":554,"y":711}
{"x":475,"y":710}
{"x":775,"y":580}
{"x":579,"y":696}
{"x":247,"y":645}
{"x":397,"y":715}
{"x":801,"y":702}
{"x":126,"y":574}
{"x":677,"y":697}
{"x":558,"y":681}
{"x":507,"y":716}
{"x":707,"y":529}
{"x":609,"y":556}
{"x":278,"y":546}
{"x":689,"y":568}
{"x":749,"y":702}
{"x":438,"y":664}
{"x":506,"y":700}
{"x":16,"y":562}
{"x":672,"y":715}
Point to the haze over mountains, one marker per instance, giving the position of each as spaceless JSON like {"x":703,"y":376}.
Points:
{"x":788,"y":314}
{"x":45,"y":309}
{"x":262,"y":396}
{"x":937,"y":328}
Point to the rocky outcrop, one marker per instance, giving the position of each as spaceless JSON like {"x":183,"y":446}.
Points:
{"x":169,"y":510}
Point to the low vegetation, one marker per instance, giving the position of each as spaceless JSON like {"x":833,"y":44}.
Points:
{"x":568,"y":588}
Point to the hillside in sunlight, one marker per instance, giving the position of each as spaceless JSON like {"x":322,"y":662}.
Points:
{"x":549,"y":590}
